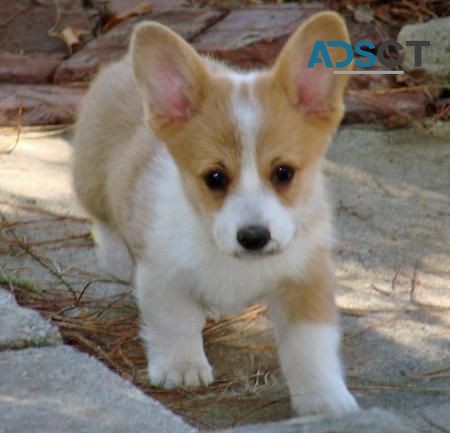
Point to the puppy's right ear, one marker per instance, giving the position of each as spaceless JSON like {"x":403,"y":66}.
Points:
{"x":170,"y":74}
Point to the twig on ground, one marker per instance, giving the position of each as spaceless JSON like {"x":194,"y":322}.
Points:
{"x":412,"y":294}
{"x":59,"y":240}
{"x":29,"y":222}
{"x":94,"y":348}
{"x":51,"y":31}
{"x":340,"y":207}
{"x":250,"y":314}
{"x":83,"y":291}
{"x":250,"y":414}
{"x":439,"y":373}
{"x":400,"y":387}
{"x":47,"y":242}
{"x":18,"y":129}
{"x":39,"y":209}
{"x":369,"y":327}
{"x":435,"y":425}
{"x":382,"y":187}
{"x":381,"y":291}
{"x":43,"y":264}
{"x":394,"y":278}
{"x":358,"y":312}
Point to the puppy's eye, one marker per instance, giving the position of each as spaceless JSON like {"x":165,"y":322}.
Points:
{"x":216,"y":180}
{"x":282,"y":175}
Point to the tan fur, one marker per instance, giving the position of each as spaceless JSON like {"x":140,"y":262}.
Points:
{"x":299,"y":143}
{"x":312,"y":298}
{"x":196,"y":150}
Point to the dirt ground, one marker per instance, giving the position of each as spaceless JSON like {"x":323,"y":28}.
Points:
{"x":391,"y":193}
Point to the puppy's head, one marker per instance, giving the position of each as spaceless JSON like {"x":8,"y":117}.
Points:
{"x":247,"y":145}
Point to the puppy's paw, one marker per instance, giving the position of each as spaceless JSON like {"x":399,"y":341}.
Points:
{"x":326,"y":403}
{"x":180,"y":374}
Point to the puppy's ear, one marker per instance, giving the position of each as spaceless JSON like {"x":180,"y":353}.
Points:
{"x":314,"y":90}
{"x":170,"y":74}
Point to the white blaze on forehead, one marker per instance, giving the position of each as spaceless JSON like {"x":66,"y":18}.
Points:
{"x":251,"y":203}
{"x":247,"y":116}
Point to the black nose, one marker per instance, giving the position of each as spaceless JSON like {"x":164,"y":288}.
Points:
{"x":253,"y":237}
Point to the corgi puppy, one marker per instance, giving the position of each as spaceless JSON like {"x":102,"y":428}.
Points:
{"x":205,"y":188}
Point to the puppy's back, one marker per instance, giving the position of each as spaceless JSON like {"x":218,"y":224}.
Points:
{"x":110,"y":114}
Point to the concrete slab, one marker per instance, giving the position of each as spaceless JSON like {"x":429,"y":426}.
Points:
{"x":21,"y":327}
{"x":56,"y":390}
{"x":439,"y":416}
{"x":368,"y":421}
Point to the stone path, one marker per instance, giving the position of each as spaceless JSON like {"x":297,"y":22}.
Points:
{"x":391,"y":193}
{"x":22,"y":327}
{"x":56,"y":390}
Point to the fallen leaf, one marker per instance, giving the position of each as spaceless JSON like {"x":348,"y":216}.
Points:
{"x":140,"y":9}
{"x":71,"y":39}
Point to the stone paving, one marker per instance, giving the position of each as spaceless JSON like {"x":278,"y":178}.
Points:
{"x":22,"y":327}
{"x":42,"y":79}
{"x":60,"y":390}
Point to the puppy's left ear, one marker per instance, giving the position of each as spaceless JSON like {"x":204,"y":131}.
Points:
{"x":315,"y":90}
{"x":170,"y":74}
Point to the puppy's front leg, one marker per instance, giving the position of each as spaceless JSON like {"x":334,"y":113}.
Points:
{"x":306,"y":330}
{"x":172,"y":329}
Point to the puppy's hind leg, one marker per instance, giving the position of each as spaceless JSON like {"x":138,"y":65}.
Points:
{"x":112,"y":253}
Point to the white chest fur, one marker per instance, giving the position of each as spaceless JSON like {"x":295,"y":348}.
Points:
{"x":180,"y":246}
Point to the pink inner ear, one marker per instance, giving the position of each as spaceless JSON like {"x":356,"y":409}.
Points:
{"x":168,"y":91}
{"x":314,"y":88}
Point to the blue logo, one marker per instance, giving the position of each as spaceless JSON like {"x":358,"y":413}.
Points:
{"x":366,"y":58}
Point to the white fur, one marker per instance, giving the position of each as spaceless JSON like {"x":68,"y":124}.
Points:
{"x":112,"y":254}
{"x":173,"y":322}
{"x":252,"y":203}
{"x":310,"y":361}
{"x":179,"y":239}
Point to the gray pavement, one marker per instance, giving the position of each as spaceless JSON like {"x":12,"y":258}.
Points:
{"x":56,"y":390}
{"x":21,"y":327}
{"x":391,"y":193}
{"x":369,"y":421}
